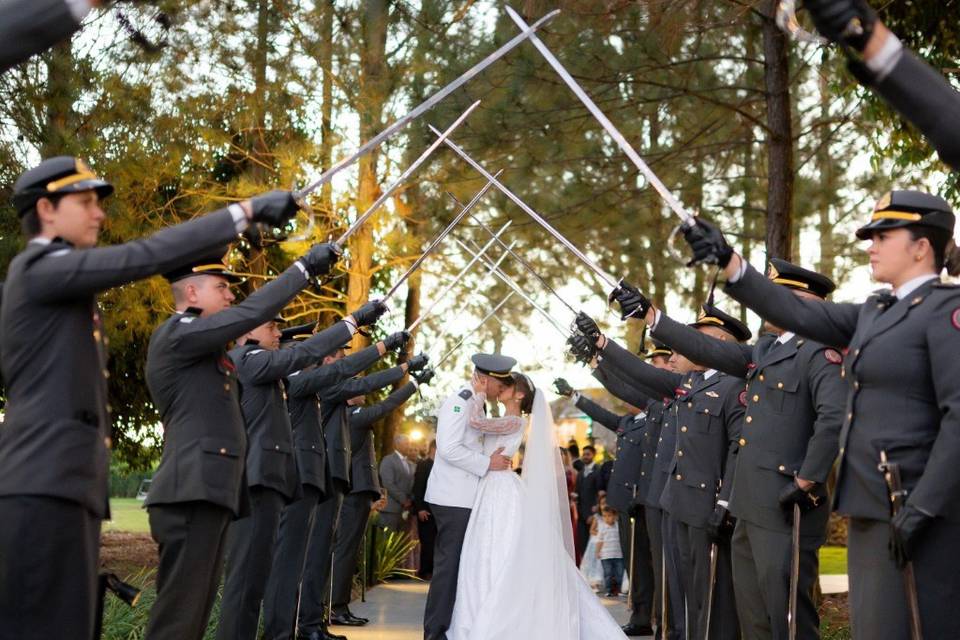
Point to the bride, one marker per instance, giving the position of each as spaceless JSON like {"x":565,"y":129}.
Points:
{"x":517,"y":574}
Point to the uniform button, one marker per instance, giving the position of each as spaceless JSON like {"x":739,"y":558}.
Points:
{"x":643,"y":473}
{"x":850,"y":416}
{"x":661,"y":439}
{"x":689,"y":405}
{"x":842,"y":450}
{"x":277,"y":447}
{"x":655,"y":455}
{"x":749,"y":419}
{"x":644,"y":455}
{"x":679,"y":477}
{"x":109,"y":408}
{"x":756,"y":398}
{"x":761,"y":377}
{"x":703,"y":485}
{"x":781,"y":468}
{"x":226,"y":387}
{"x":106,"y":374}
{"x":779,"y":385}
{"x":107,"y":442}
{"x":843,"y":373}
{"x":743,"y":442}
{"x":223,"y":451}
{"x":856,"y":385}
{"x":856,"y":352}
{"x":96,"y":335}
{"x":680,"y":453}
{"x":683,"y":429}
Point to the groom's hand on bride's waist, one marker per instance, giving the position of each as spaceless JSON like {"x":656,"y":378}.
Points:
{"x":499,"y":462}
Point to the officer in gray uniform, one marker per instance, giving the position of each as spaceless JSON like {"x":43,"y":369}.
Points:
{"x":622,"y":490}
{"x":282,"y":593}
{"x":271,"y":470}
{"x":334,"y":415}
{"x":903,"y":405}
{"x":364,"y":491}
{"x":795,"y":399}
{"x":199,"y":486}
{"x":697,"y":492}
{"x":55,"y":438}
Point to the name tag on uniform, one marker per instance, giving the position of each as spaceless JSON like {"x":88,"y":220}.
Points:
{"x":713,"y":394}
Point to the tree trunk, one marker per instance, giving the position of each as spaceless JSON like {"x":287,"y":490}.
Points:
{"x":326,"y":110}
{"x":776,"y":77}
{"x":61,"y":92}
{"x":828,"y":187}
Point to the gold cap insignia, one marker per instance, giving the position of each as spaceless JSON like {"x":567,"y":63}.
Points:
{"x":883,"y":202}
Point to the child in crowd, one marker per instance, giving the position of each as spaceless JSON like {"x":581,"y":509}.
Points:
{"x":590,"y":565}
{"x":609,"y":551}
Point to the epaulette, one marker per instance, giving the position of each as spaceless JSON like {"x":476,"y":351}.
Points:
{"x":945,"y":285}
{"x":466,"y":394}
{"x":252,"y":351}
{"x":357,"y":410}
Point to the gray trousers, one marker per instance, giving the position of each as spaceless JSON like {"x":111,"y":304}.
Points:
{"x":250,"y":542}
{"x":723,"y":612}
{"x":315,"y":592}
{"x":762,"y":564}
{"x":192,"y":538}
{"x":49,"y":557}
{"x":675,"y":579}
{"x":282,"y":596}
{"x":353,"y":520}
{"x":451,"y":529}
{"x":878,"y":606}
{"x":640,"y":567}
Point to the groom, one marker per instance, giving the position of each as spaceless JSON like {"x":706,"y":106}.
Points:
{"x":452,"y":486}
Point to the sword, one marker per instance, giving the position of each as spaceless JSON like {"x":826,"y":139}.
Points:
{"x":453,"y":282}
{"x":713,"y":581}
{"x":786,"y":19}
{"x":403,"y":177}
{"x":607,"y":279}
{"x":891,"y":475}
{"x":794,"y":573}
{"x":668,"y":197}
{"x":633,"y":544}
{"x":510,"y":282}
{"x":427,"y":104}
{"x":664,"y":599}
{"x":464,"y":210}
{"x":472,"y":331}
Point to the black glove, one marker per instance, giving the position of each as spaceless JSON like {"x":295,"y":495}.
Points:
{"x":424,"y":376}
{"x":369,"y":313}
{"x":318,"y":260}
{"x":274,"y":208}
{"x":582,"y":348}
{"x":563,"y":387}
{"x":905,"y":529}
{"x":848,"y":22}
{"x":587,"y":326}
{"x":417,"y":362}
{"x":633,"y":304}
{"x":792,"y":494}
{"x":708,"y":244}
{"x":396,"y":341}
{"x":719,"y":524}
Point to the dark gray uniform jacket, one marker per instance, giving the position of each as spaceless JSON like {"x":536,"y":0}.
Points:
{"x":365,"y":478}
{"x":795,"y":398}
{"x":270,"y":459}
{"x":194,"y":386}
{"x":31,"y":26}
{"x":709,"y":418}
{"x":334,"y":414}
{"x":303,"y":389}
{"x":902,"y":370}
{"x":55,"y":437}
{"x":622,"y":487}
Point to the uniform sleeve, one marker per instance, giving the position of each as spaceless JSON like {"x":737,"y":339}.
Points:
{"x":599,"y":414}
{"x":832,"y":323}
{"x":730,"y":357}
{"x":733,"y":411}
{"x":828,"y":392}
{"x":265,"y":366}
{"x":662,"y":382}
{"x":312,"y":382}
{"x":205,"y":334}
{"x":479,"y":422}
{"x":80,"y":273}
{"x":621,"y":387}
{"x":938,"y":489}
{"x":369,"y":415}
{"x":359,"y":386}
{"x":28,"y":27}
{"x":451,"y":425}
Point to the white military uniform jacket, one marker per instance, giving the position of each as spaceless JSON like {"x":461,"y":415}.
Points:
{"x":460,"y":461}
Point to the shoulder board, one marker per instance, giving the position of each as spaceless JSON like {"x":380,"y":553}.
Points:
{"x":357,"y":410}
{"x":252,"y":351}
{"x":945,"y":285}
{"x":187,"y":319}
{"x":466,"y":394}
{"x":295,"y":373}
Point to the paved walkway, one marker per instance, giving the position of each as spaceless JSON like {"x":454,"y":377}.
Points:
{"x":396,"y":612}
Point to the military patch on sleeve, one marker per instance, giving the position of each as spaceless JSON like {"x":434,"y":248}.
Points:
{"x":466,"y":394}
{"x":742,"y":398}
{"x":955,"y":319}
{"x":833,"y":356}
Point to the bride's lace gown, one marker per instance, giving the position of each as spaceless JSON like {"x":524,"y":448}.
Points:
{"x":494,"y":551}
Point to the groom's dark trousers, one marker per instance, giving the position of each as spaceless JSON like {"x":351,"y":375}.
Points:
{"x":451,"y":529}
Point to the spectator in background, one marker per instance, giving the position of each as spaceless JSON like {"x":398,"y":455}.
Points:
{"x":396,"y":476}
{"x":587,"y":481}
{"x":426,"y":526}
{"x":609,"y":551}
{"x":574,"y":450}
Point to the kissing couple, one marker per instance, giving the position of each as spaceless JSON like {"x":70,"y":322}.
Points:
{"x":503,"y":560}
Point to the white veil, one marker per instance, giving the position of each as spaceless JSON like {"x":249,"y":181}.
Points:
{"x":538,"y":596}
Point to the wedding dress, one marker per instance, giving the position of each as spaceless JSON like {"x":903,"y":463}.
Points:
{"x":518,"y":579}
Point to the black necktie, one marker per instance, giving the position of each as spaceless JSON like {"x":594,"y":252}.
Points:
{"x":885,"y":300}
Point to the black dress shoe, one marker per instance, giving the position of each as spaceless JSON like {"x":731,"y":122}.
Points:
{"x":351,"y":614}
{"x":345,"y":619}
{"x":637,"y":630}
{"x":318,"y":634}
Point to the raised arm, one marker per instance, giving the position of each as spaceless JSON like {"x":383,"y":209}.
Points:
{"x":730,"y":357}
{"x":312,"y":382}
{"x":621,"y":387}
{"x":367,"y":416}
{"x":266,"y":366}
{"x":600,"y":414}
{"x":359,"y":386}
{"x":478,"y":421}
{"x":662,"y":382}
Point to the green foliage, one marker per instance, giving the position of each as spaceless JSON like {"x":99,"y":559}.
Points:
{"x":390,"y":550}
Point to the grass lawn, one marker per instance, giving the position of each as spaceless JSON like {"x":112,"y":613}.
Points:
{"x":833,"y":560}
{"x":128,"y":515}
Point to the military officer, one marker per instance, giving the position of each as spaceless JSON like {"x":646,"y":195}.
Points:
{"x":199,"y":486}
{"x":297,"y":518}
{"x":794,"y":410}
{"x":334,"y":415}
{"x":55,"y":438}
{"x":622,"y":490}
{"x":697,"y":491}
{"x":909,"y":85}
{"x":903,"y":405}
{"x":364,"y":491}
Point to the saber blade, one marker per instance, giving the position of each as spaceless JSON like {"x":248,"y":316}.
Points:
{"x":607,"y":279}
{"x":403,"y":176}
{"x":464,"y":210}
{"x":459,"y":276}
{"x":472,"y":331}
{"x":614,"y":133}
{"x":428,"y":104}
